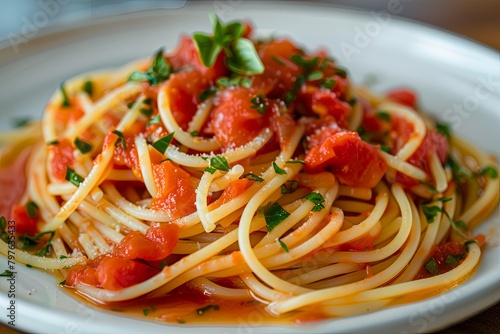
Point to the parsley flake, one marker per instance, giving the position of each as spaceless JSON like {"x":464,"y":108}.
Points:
{"x":82,"y":146}
{"x":274,"y":214}
{"x":73,"y":177}
{"x":317,"y":199}
{"x":289,"y":187}
{"x":278,"y":170}
{"x":88,"y":87}
{"x":32,"y":209}
{"x":253,"y":177}
{"x":162,"y":144}
{"x":283,"y":245}
{"x":121,"y":139}
{"x":259,"y":103}
{"x":431,"y":266}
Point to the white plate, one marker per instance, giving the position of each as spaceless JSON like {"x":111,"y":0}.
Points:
{"x":444,"y":69}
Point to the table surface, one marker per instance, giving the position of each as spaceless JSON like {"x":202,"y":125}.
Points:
{"x":477,"y":22}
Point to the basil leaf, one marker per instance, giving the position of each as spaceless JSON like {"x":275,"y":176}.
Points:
{"x":29,"y":242}
{"x":327,"y":83}
{"x":443,"y":129}
{"x":316,"y":75}
{"x":385,"y":148}
{"x":317,"y":199}
{"x":32,"y":209}
{"x":460,"y":174}
{"x":278,"y":170}
{"x":469,"y":242}
{"x":431,"y":266}
{"x":154,"y":120}
{"x":488,"y":171}
{"x":341,"y":72}
{"x":73,"y":177}
{"x":207,"y":93}
{"x":162,"y":144}
{"x":244,"y":58}
{"x":259,"y":103}
{"x":305,"y":63}
{"x":290,"y":188}
{"x":296,"y":161}
{"x":88,"y":87}
{"x":210,"y":170}
{"x":383,"y":115}
{"x":82,"y":146}
{"x":430,"y":212}
{"x":283,"y":245}
{"x":65,"y":102}
{"x":159,"y":71}
{"x":453,"y":260}
{"x":220,"y":163}
{"x":274,"y":214}
{"x":253,"y":177}
{"x":146,"y":112}
{"x":208,"y":48}
{"x":121,"y":139}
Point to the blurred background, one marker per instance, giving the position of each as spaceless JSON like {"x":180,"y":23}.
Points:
{"x":476,"y":20}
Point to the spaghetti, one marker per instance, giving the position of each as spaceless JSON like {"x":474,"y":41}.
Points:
{"x":246,"y":171}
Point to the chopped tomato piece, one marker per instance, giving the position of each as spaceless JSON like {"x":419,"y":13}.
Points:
{"x":441,"y":255}
{"x":280,"y":71}
{"x":234,"y":121}
{"x":405,"y":97}
{"x":183,"y":90}
{"x":165,"y":236}
{"x":186,"y":55}
{"x":128,"y":157}
{"x":85,"y":274}
{"x":233,"y":190}
{"x":433,"y":143}
{"x":175,"y":195}
{"x":323,"y":102}
{"x":353,"y":161}
{"x":24,"y":223}
{"x":116,"y":273}
{"x":61,"y":157}
{"x":136,"y":246}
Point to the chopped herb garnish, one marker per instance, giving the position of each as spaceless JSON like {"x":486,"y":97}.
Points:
{"x":21,"y":122}
{"x":53,"y":142}
{"x":121,"y":139}
{"x":29,"y":242}
{"x":274,"y":214}
{"x":469,"y":242}
{"x":317,"y":199}
{"x":145,"y":312}
{"x":73,"y":177}
{"x":432,"y":189}
{"x":154,"y":120}
{"x":62,"y":283}
{"x":278,"y":170}
{"x":353,"y":101}
{"x":488,"y":171}
{"x":130,"y":104}
{"x":204,"y":95}
{"x":385,"y":148}
{"x":460,"y":174}
{"x":146,"y":112}
{"x":162,"y":144}
{"x":283,"y":245}
{"x":316,"y":75}
{"x":278,"y":61}
{"x":65,"y":101}
{"x":290,"y":96}
{"x":296,"y":161}
{"x":194,"y":133}
{"x":289,"y":187}
{"x":383,"y":115}
{"x":253,"y":177}
{"x":82,"y":146}
{"x":327,"y":83}
{"x":210,"y":170}
{"x":430,"y":212}
{"x":443,"y":129}
{"x":234,"y":81}
{"x":63,"y":257}
{"x":241,"y":56}
{"x":7,"y":273}
{"x":220,"y":163}
{"x":341,"y":72}
{"x":159,"y":71}
{"x":204,"y":309}
{"x":32,"y":209}
{"x":88,"y":87}
{"x":163,"y":264}
{"x":305,"y":63}
{"x":259,"y":103}
{"x":431,"y":266}
{"x":452,"y":260}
